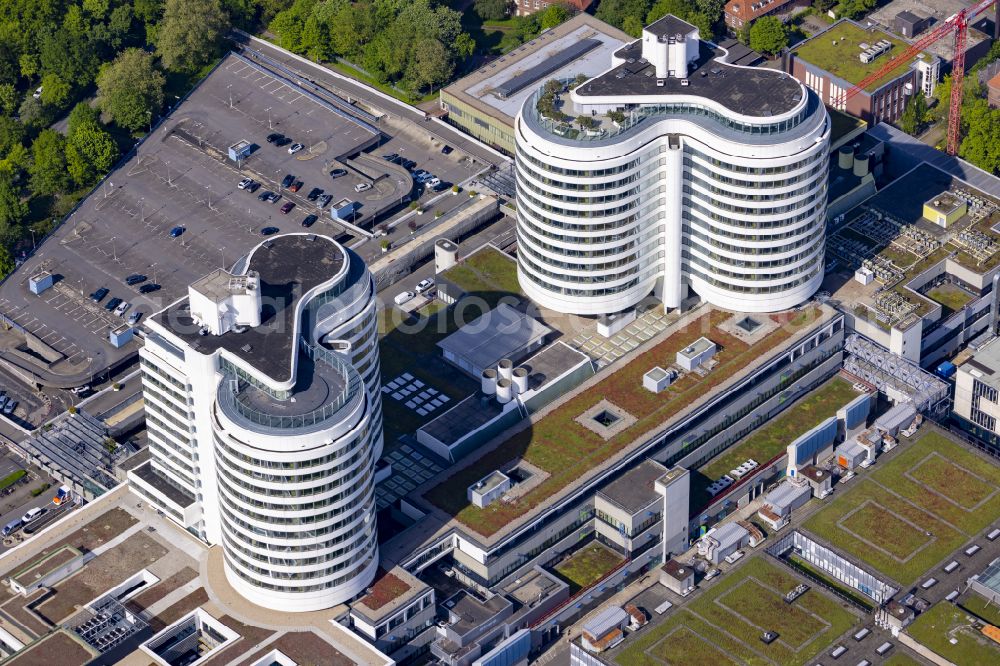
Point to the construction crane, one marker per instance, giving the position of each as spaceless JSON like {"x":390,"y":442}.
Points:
{"x":957,"y":24}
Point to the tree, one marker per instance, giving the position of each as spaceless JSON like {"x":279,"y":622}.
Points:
{"x":553,"y":15}
{"x":981,"y":142}
{"x":81,"y":115}
{"x":12,"y":209}
{"x":6,"y":262}
{"x":853,"y":9}
{"x":914,"y":115}
{"x":48,"y":166}
{"x":11,"y":133}
{"x":492,"y":10}
{"x":90,"y":153}
{"x":8,"y":98}
{"x":632,"y":26}
{"x":768,"y":35}
{"x":33,"y":114}
{"x":130,"y":89}
{"x":431,"y":64}
{"x":55,"y":92}
{"x":189,"y":34}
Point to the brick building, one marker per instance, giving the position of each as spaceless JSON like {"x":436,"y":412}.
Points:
{"x":739,"y":13}
{"x":835,"y":60}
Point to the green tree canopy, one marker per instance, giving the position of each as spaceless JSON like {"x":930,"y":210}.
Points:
{"x":493,"y":10}
{"x":190,"y":33}
{"x":6,"y":262}
{"x":11,"y":133}
{"x":768,"y":35}
{"x":130,"y":89}
{"x":12,"y":209}
{"x":981,"y":140}
{"x":8,"y":98}
{"x":48,"y":165}
{"x":914,"y":115}
{"x":553,"y":15}
{"x":90,"y":150}
{"x":55,"y":91}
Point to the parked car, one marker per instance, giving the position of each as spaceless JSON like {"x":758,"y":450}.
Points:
{"x":337,"y":173}
{"x":287,"y":207}
{"x":275,"y":137}
{"x":324,"y":200}
{"x":11,"y":527}
{"x":149,"y":288}
{"x":253,"y":187}
{"x":425,"y":285}
{"x":409,"y":165}
{"x":441,"y":186}
{"x":294,"y":148}
{"x":99,"y":295}
{"x":176,"y":231}
{"x":135,"y":278}
{"x":112,"y":304}
{"x":314,"y":194}
{"x":404,"y":297}
{"x":434,"y":182}
{"x":309,"y":220}
{"x":287,"y":180}
{"x":134,"y":318}
{"x":446,"y":150}
{"x":80,"y":390}
{"x":32,"y":515}
{"x":296,"y":186}
{"x":362,"y":187}
{"x":269,"y":231}
{"x":419,"y":173}
{"x":122,"y":307}
{"x":244,"y":184}
{"x":391,"y":157}
{"x":265,"y":195}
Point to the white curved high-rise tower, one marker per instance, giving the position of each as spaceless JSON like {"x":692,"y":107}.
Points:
{"x":672,"y":170}
{"x":264,"y":418}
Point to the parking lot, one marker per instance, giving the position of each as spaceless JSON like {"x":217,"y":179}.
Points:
{"x":17,"y":499}
{"x":173,"y":212}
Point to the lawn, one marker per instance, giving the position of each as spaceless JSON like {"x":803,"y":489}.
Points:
{"x":912,"y":494}
{"x":902,"y":258}
{"x":688,"y":648}
{"x":981,"y":607}
{"x":773,"y":438}
{"x":842,"y":59}
{"x":943,"y":623}
{"x":729,"y":618}
{"x":588,"y":565}
{"x":488,"y":274}
{"x":567,"y":450}
{"x":950,"y":296}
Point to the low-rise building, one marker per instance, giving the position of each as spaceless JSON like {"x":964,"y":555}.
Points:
{"x":677,"y":577}
{"x":722,"y":541}
{"x":397,"y":607}
{"x":484,"y":103}
{"x":835,"y":60}
{"x":605,"y":630}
